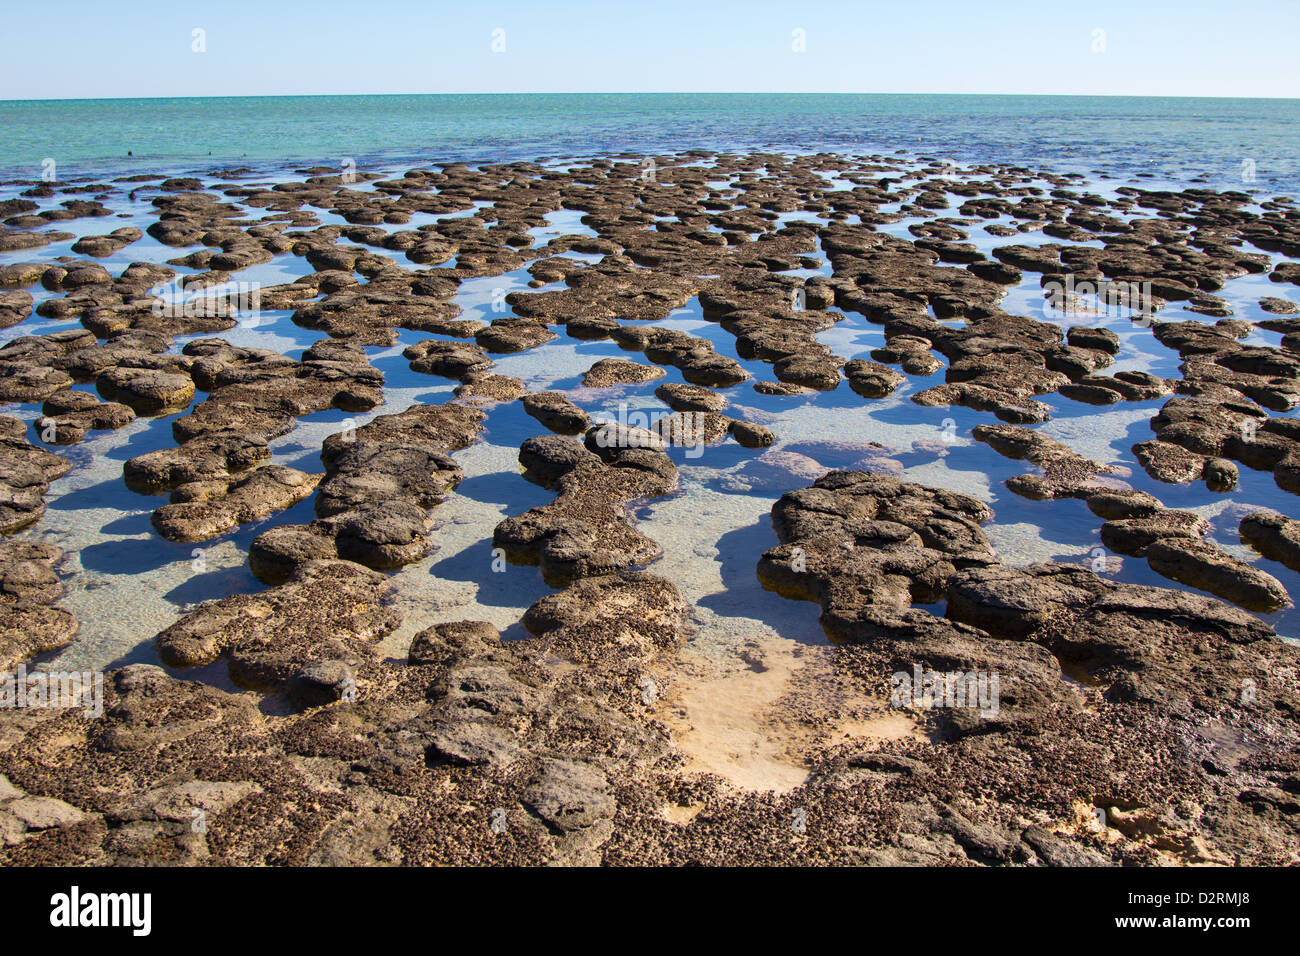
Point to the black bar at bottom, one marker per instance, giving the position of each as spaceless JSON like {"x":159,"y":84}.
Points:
{"x":333,"y":907}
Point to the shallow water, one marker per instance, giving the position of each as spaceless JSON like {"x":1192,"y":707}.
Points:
{"x":126,"y":584}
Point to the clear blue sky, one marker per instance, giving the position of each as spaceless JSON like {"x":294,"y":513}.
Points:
{"x":97,"y":48}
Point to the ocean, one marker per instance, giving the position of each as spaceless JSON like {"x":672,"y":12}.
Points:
{"x":1216,"y":142}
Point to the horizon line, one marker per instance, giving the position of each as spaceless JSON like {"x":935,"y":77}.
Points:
{"x":254,"y":96}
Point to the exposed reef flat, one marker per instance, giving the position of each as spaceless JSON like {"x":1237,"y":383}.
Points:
{"x":444,"y":339}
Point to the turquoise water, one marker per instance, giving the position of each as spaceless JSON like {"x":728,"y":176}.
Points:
{"x":1174,"y":140}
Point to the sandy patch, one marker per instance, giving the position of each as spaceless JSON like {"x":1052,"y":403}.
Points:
{"x":759,"y":716}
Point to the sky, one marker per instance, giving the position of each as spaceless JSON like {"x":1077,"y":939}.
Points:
{"x":102,"y":48}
